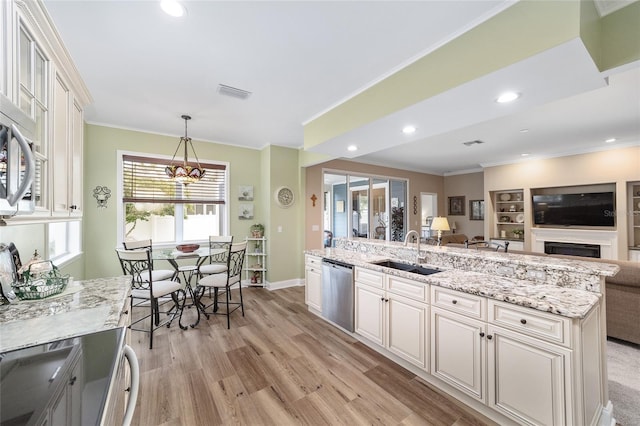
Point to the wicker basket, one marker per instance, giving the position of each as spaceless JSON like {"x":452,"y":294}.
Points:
{"x":38,"y":285}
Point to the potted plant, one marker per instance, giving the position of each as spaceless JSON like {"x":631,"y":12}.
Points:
{"x":518,"y":233}
{"x":257,"y":230}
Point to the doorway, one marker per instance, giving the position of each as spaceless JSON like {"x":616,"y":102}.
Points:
{"x":429,"y":210}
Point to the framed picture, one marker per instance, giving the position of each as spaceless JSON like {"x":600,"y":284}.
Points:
{"x":245,"y":211}
{"x":340,"y":206}
{"x":476,"y":209}
{"x":245,"y":193}
{"x":456,"y":206}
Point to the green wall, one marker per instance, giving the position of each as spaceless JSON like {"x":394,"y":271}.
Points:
{"x":101,"y":146}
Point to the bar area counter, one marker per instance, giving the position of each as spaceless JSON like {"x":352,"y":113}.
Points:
{"x":491,"y":329}
{"x":84,"y":307}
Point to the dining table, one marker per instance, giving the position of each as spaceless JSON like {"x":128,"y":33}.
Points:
{"x":199,"y":256}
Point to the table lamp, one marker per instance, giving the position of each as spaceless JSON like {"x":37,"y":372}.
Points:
{"x":440,"y":224}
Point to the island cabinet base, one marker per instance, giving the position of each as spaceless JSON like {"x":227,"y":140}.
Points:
{"x":513,"y":364}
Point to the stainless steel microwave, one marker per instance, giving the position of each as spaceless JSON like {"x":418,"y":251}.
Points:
{"x":17,"y":163}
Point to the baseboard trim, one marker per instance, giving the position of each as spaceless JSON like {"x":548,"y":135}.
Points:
{"x":296,"y":282}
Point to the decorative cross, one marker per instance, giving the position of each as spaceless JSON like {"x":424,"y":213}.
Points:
{"x":314,"y":198}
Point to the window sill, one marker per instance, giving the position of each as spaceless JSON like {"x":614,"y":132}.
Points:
{"x":66,"y":259}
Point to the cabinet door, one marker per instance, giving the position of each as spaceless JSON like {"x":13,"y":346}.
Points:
{"x":526,"y":378}
{"x":370,"y":306}
{"x":75,"y":182}
{"x":458,"y":350}
{"x":75,"y":385}
{"x":407,"y":329}
{"x":313,"y":288}
{"x":60,"y":155}
{"x":60,"y":408}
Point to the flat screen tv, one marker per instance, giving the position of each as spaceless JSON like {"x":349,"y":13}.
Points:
{"x":583,"y":209}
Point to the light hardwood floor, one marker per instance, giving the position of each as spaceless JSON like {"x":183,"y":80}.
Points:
{"x":279,"y":365}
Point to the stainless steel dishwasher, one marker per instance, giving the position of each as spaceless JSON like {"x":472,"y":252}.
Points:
{"x":338,"y":293}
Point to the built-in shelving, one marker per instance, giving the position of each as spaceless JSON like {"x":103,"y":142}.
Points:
{"x":634,"y":220}
{"x":509,"y":211}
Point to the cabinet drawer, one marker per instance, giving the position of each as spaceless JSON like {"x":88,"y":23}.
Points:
{"x":457,"y":301}
{"x":404,"y":287}
{"x":312,"y":261}
{"x":552,"y":328}
{"x":369,"y":277}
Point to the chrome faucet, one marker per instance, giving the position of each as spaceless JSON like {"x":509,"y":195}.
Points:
{"x":406,"y":240}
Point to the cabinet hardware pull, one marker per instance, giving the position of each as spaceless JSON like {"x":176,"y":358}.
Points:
{"x":382,"y":298}
{"x":523,"y":321}
{"x":489,"y":336}
{"x":126,"y":312}
{"x":481,"y":334}
{"x":454,"y":301}
{"x":72,"y":381}
{"x":73,"y":207}
{"x":55,"y":373}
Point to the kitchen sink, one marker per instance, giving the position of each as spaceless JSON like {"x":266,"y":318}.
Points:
{"x":407,"y":267}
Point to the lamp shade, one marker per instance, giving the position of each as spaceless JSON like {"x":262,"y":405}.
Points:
{"x":440,"y":224}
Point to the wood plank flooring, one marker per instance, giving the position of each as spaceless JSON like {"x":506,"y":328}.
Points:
{"x":279,"y":365}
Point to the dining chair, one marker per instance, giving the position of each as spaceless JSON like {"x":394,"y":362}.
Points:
{"x":148,"y":293}
{"x":487,"y":245}
{"x":156,"y":274}
{"x":224,"y":281}
{"x":217,"y":262}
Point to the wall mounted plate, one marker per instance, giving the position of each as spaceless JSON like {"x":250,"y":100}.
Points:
{"x":284,"y":197}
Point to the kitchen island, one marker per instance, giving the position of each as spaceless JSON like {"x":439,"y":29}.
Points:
{"x":84,"y":307}
{"x":521,"y":341}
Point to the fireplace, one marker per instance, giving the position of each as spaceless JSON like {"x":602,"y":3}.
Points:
{"x":572,"y":249}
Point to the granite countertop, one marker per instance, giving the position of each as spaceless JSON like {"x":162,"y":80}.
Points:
{"x":84,"y":307}
{"x":567,"y":302}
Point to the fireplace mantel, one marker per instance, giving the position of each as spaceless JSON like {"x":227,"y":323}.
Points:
{"x":607,"y":240}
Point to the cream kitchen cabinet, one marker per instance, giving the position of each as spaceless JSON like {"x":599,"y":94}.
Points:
{"x":67,"y":149}
{"x":40,"y":77}
{"x":313,"y":283}
{"x":386,"y":315}
{"x":526,"y":378}
{"x":458,"y":352}
{"x":518,"y":361}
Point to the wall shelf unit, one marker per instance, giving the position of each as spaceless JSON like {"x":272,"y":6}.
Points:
{"x":255,"y":262}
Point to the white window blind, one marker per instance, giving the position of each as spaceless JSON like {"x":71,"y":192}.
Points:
{"x":144,"y":181}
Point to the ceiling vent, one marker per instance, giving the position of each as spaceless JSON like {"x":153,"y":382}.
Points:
{"x":233,"y":92}
{"x":473,"y":142}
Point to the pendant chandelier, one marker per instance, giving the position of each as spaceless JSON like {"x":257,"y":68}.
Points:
{"x":184,"y":173}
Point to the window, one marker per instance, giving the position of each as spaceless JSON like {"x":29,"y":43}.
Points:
{"x":63,"y":240}
{"x":364,"y":206}
{"x":157,"y":208}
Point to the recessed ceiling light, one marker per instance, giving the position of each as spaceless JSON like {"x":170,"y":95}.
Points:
{"x":525,"y":154}
{"x":507,"y":97}
{"x":524,"y":130}
{"x":172,"y":8}
{"x":610,"y":140}
{"x":352,"y":148}
{"x":407,"y":130}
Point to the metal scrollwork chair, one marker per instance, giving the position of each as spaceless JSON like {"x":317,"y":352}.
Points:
{"x":226,"y":282}
{"x":487,"y":245}
{"x":156,"y":274}
{"x":148,"y":293}
{"x":217,"y":262}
